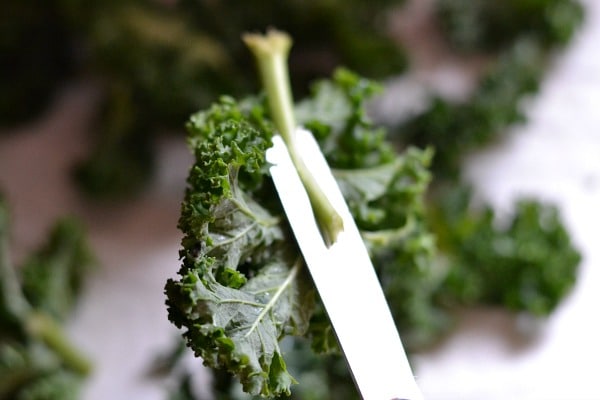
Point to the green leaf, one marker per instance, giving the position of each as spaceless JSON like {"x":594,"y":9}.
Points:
{"x":241,"y":288}
{"x":384,"y":196}
{"x":239,"y":329}
{"x":241,"y":285}
{"x":526,"y":263}
{"x":336,"y":114}
{"x":52,"y":278}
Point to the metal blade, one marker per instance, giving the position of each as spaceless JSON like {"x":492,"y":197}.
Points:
{"x":345,"y":279}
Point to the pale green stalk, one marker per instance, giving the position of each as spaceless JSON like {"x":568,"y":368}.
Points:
{"x":271,"y":52}
{"x":48,"y":330}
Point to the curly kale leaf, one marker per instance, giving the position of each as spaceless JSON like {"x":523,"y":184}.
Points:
{"x":375,"y":193}
{"x":242,"y":287}
{"x":337,"y":116}
{"x":245,"y":324}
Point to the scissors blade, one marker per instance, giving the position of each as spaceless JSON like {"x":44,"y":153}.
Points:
{"x":345,"y":279}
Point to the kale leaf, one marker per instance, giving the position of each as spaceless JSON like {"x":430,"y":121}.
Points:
{"x":526,"y":263}
{"x":37,"y":359}
{"x":53,"y":277}
{"x":242,"y":286}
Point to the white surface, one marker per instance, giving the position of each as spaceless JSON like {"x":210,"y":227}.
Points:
{"x":122,"y":321}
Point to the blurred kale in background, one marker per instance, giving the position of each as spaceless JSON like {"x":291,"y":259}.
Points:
{"x":160,"y":61}
{"x":37,"y":359}
{"x":525,"y":263}
{"x":517,"y":40}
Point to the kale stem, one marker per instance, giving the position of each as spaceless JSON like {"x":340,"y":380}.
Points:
{"x":51,"y":333}
{"x":271,"y":52}
{"x":12,"y":301}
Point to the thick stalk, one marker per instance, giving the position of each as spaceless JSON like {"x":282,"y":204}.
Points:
{"x":45,"y":328}
{"x":271,"y":52}
{"x":12,"y":302}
